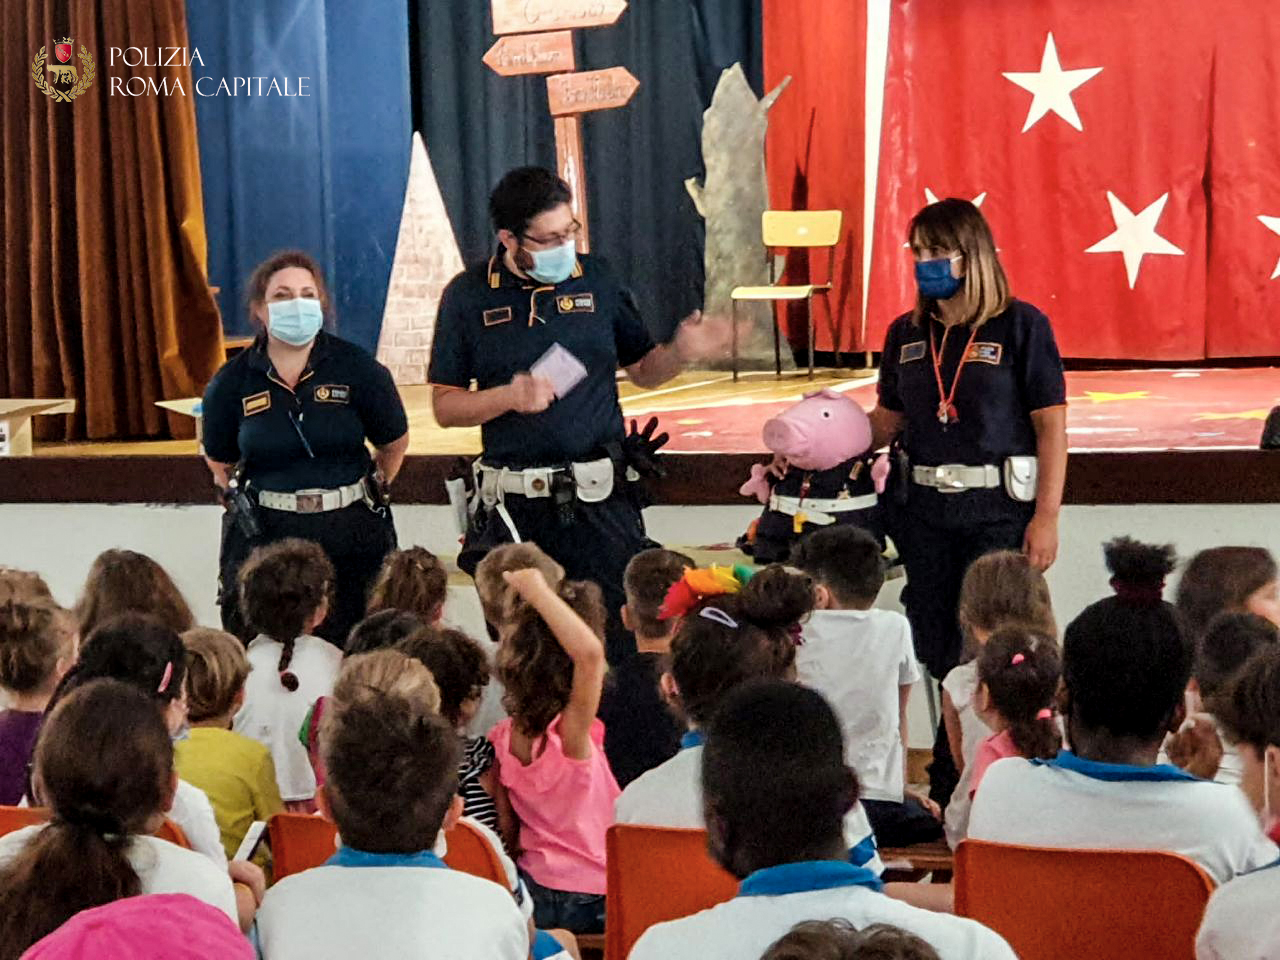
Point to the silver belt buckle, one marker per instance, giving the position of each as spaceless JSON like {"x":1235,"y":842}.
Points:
{"x":947,"y":480}
{"x":309,"y":502}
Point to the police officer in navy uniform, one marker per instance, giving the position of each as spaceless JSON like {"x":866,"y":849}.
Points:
{"x":972,"y":388}
{"x":285,"y":430}
{"x":542,"y":330}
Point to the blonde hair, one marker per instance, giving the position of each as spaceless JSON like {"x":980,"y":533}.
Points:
{"x":958,"y":225}
{"x":490,"y":584}
{"x":1003,"y":589}
{"x":381,"y":673}
{"x":22,"y":586}
{"x":216,"y":671}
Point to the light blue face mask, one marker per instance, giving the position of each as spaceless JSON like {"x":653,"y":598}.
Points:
{"x":555,"y":265}
{"x":295,"y":322}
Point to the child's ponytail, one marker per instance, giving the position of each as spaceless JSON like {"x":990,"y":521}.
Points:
{"x":288,"y":679}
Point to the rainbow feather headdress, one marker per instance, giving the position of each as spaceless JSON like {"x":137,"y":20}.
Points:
{"x":698,"y":583}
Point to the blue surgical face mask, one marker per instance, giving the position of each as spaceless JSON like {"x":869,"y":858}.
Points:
{"x":554,"y":265}
{"x":934,"y":278}
{"x":295,"y":322}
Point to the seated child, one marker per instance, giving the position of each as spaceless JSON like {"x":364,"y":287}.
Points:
{"x":493,"y":592}
{"x":777,"y":791}
{"x":1125,"y":665}
{"x":723,"y":640}
{"x":284,"y":596}
{"x":551,"y":746}
{"x":236,"y":773}
{"x":1224,"y":647}
{"x":839,"y":940}
{"x":104,"y":766}
{"x":412,"y":580}
{"x":461,"y":672}
{"x":1018,"y":675}
{"x":23,"y":586}
{"x":175,"y":926}
{"x":640,"y":732}
{"x":999,"y":589}
{"x":862,"y":660}
{"x":392,"y":765}
{"x":1227,"y":580}
{"x":1242,"y":922}
{"x":38,"y":643}
{"x":122,"y":581}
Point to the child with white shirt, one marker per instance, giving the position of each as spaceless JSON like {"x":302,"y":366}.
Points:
{"x":1242,"y":922}
{"x":862,"y":660}
{"x":999,"y":589}
{"x":1125,"y":665}
{"x":391,"y":786}
{"x":776,"y":791}
{"x":104,"y":765}
{"x":723,"y":640}
{"x":284,"y":596}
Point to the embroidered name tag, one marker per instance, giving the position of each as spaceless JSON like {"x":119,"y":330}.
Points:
{"x":577,"y":303}
{"x":496,"y":316}
{"x":333,"y":393}
{"x":911,"y":351}
{"x":256,"y":403}
{"x":985,"y":353}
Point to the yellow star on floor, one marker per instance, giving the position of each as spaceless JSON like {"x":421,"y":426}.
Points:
{"x":1101,"y":396}
{"x":1242,"y":415}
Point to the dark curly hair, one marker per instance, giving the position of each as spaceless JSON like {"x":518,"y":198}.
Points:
{"x":1021,"y":671}
{"x":131,"y":648}
{"x":413,"y":580}
{"x":709,"y":658}
{"x":381,"y":630}
{"x":531,"y":664}
{"x":282,"y":585}
{"x":458,"y":664}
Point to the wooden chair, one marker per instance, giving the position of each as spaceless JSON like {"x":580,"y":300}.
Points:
{"x":471,"y":852}
{"x":1055,"y":904}
{"x":917,"y":860}
{"x":781,"y":230}
{"x":655,"y":874}
{"x":299,"y":842}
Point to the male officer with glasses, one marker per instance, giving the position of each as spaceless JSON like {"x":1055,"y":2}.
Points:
{"x":542,"y":330}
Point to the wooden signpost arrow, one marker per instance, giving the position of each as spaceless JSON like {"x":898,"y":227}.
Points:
{"x":523,"y":48}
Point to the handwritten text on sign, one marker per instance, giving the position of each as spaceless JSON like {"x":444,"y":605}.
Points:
{"x":532,"y":53}
{"x":569,"y":93}
{"x":525,"y":16}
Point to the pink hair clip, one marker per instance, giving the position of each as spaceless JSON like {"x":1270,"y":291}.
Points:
{"x":1045,"y":714}
{"x":164,"y":680}
{"x":1017,"y":659}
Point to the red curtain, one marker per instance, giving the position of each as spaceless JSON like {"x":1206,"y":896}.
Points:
{"x":1103,"y":227}
{"x":815,"y":147}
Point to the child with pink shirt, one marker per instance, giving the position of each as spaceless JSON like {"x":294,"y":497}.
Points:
{"x":550,"y":748}
{"x":1018,"y":674}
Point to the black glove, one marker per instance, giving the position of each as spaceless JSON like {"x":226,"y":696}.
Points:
{"x":641,"y":447}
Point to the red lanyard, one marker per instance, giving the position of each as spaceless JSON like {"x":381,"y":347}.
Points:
{"x":947,"y":412}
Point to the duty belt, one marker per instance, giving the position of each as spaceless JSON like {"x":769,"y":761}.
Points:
{"x":313,"y":501}
{"x":955,"y":477}
{"x":818,"y":510}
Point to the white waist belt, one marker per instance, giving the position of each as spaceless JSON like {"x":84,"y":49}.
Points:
{"x":593,"y":478}
{"x":818,"y":510}
{"x":954,"y":477}
{"x":312,"y":501}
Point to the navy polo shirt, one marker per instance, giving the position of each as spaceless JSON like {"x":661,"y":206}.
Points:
{"x":312,"y":436}
{"x":1012,"y":369}
{"x":493,"y":324}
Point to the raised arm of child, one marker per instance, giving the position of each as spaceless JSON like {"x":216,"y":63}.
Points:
{"x":584,"y":649}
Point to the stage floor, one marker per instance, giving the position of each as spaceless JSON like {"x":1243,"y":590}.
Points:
{"x":1112,"y":410}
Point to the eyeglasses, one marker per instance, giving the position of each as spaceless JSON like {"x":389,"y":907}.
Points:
{"x":556,"y":239}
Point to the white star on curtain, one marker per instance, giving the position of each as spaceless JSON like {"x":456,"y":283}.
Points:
{"x":1272,"y":224}
{"x":1052,"y":87}
{"x":1135,"y":235}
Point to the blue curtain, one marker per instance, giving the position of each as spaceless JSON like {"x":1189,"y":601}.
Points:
{"x":325,"y":173}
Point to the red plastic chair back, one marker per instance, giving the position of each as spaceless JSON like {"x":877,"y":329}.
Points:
{"x":470,"y":851}
{"x":655,"y":874}
{"x":299,"y":842}
{"x":173,"y":833}
{"x":16,"y":818}
{"x":1053,"y":904}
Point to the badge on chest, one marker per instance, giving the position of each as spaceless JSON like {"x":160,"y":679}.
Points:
{"x":333,"y":393}
{"x":985,"y":353}
{"x":911,"y":351}
{"x":256,"y":403}
{"x":576,"y":303}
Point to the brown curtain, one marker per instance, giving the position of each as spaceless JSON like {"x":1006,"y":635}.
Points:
{"x":104,"y":292}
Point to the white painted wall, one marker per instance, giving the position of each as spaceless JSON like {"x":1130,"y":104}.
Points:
{"x":61,"y":540}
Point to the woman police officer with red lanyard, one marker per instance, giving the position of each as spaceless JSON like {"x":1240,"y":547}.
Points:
{"x":972,"y":388}
{"x":285,"y":430}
